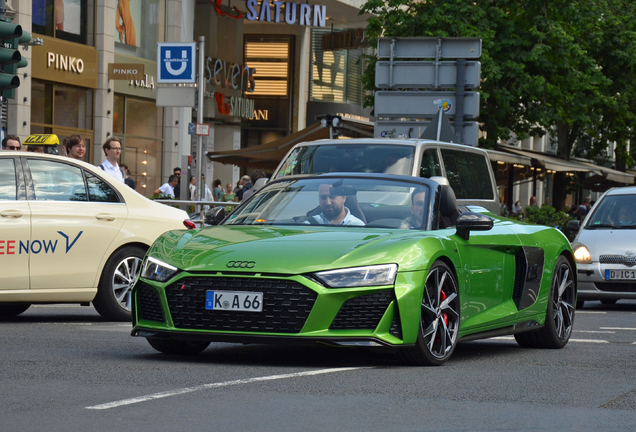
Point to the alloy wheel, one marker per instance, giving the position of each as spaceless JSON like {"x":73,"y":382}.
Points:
{"x":440,"y":312}
{"x":124,"y":277}
{"x":563,"y":301}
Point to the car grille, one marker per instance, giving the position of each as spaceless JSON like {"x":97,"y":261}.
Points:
{"x":616,"y":286}
{"x":628,"y":261}
{"x":286,"y":305}
{"x":149,"y":304}
{"x":396,"y":326}
{"x":364,"y":312}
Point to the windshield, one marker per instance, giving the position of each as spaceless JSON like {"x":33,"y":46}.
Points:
{"x":369,"y":158}
{"x":614,"y":212}
{"x":338,"y":201}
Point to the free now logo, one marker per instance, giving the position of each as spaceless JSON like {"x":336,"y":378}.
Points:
{"x":19,"y":247}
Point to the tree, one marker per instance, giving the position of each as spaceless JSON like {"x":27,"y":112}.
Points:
{"x":553,"y":65}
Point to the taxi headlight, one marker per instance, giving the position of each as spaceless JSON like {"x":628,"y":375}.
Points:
{"x":359,"y":276}
{"x":582,"y":255}
{"x":156,"y":270}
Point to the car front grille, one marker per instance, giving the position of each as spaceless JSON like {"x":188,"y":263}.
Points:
{"x":148,"y":303}
{"x":629,"y":287}
{"x":396,"y":326}
{"x":363,"y":312}
{"x":286,"y":305}
{"x":628,"y":261}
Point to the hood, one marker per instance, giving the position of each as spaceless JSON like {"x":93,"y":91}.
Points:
{"x":608,"y":242}
{"x":288,"y":250}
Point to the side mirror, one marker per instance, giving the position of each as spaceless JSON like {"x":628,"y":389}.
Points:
{"x":573,"y":225}
{"x":471,"y":221}
{"x":215,"y":216}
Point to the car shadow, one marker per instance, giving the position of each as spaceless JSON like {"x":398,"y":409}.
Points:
{"x":620,"y":305}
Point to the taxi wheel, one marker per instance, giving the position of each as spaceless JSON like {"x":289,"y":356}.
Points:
{"x":120,"y":274}
{"x":177,"y":347}
{"x":12,"y":309}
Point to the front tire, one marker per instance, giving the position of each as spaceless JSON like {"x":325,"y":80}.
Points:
{"x":439,"y":319}
{"x":8,"y":310}
{"x":120,"y":274}
{"x":560,"y":312}
{"x":177,"y":347}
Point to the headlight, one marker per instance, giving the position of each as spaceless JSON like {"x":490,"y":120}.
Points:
{"x":156,"y":270}
{"x":582,"y":255}
{"x":359,"y":276}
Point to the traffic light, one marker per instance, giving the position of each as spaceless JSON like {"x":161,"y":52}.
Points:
{"x":10,"y":58}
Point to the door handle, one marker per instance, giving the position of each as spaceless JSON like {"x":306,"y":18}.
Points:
{"x":105,"y":217}
{"x":11,"y":214}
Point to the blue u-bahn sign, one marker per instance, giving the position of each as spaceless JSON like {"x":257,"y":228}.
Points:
{"x":176,"y":63}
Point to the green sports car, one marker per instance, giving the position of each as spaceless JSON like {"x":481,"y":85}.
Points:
{"x":368,"y":260}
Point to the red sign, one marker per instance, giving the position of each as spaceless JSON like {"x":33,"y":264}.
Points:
{"x":217,"y":7}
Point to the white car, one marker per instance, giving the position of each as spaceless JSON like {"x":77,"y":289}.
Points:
{"x":71,"y":233}
{"x":605,"y":248}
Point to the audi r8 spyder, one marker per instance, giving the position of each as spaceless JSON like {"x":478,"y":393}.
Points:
{"x":357,"y":259}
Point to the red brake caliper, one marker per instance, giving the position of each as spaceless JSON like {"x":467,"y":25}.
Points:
{"x":442,"y":297}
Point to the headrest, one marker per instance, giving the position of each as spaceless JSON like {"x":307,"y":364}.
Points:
{"x":448,"y":202}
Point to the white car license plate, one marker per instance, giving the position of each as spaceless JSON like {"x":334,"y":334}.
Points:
{"x":620,"y":274}
{"x":238,"y":301}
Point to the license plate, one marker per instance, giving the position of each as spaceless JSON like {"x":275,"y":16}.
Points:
{"x":238,"y":301}
{"x":620,"y":274}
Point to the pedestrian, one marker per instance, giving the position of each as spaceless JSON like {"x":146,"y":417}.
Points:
{"x":517,"y":209}
{"x":192,"y":187}
{"x":229,"y":194}
{"x":256,"y":175}
{"x":112,"y":150}
{"x":246,"y":183}
{"x":167,"y":189}
{"x":36,"y":148}
{"x":533,"y":201}
{"x":75,"y":147}
{"x":177,"y":190}
{"x":217,"y":190}
{"x":11,"y":142}
{"x":207,"y":192}
{"x":127,"y":179}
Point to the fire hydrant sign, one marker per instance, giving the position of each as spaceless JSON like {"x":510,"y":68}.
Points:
{"x":198,"y":129}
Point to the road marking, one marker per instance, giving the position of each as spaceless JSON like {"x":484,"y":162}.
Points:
{"x":617,"y":328}
{"x":592,"y":331}
{"x":215,"y":385}
{"x":571,"y":340}
{"x":590,"y":312}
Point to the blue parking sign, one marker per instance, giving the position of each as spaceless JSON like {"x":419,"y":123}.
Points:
{"x":175,"y":63}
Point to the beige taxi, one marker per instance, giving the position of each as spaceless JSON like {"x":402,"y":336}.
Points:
{"x":71,"y":233}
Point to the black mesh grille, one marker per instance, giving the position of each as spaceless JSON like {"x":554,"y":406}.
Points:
{"x":286,"y":305}
{"x":629,"y":261}
{"x":521,"y":268}
{"x":616,"y":286}
{"x":149,"y":303}
{"x":396,"y":326}
{"x":364,"y":312}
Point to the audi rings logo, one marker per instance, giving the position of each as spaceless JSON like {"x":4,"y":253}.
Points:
{"x":240,"y":264}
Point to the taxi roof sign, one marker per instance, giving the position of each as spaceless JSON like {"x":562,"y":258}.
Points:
{"x":42,"y":139}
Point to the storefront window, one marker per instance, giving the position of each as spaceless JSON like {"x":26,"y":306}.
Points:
{"x":63,"y":110}
{"x":139,"y":25}
{"x":70,"y":20}
{"x":139,"y":124}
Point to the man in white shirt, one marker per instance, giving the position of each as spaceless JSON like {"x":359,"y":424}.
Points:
{"x":333,"y":210}
{"x":167,"y":189}
{"x":112,"y":150}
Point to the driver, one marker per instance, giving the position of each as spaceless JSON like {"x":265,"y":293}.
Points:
{"x":626,"y":216}
{"x":333,"y":211}
{"x":416,"y":218}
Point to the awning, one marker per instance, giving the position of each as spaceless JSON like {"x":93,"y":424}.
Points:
{"x":609,"y":173}
{"x":550,"y":162}
{"x":268,"y":156}
{"x":499,"y":156}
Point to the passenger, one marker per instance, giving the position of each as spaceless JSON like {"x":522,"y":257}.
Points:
{"x":75,"y":146}
{"x":333,"y":211}
{"x":416,"y":218}
{"x":626,"y":216}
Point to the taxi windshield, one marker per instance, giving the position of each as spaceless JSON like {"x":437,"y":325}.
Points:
{"x":369,"y":158}
{"x":338,"y":201}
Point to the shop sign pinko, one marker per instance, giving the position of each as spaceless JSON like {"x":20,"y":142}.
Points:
{"x":289,"y":12}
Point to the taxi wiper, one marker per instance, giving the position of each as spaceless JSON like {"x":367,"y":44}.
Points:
{"x":595,"y":226}
{"x":627,"y":227}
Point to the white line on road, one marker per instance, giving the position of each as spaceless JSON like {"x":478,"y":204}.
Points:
{"x":214,"y":385}
{"x":617,"y":328}
{"x":571,"y":340}
{"x":592,"y":331}
{"x":590,"y":312}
